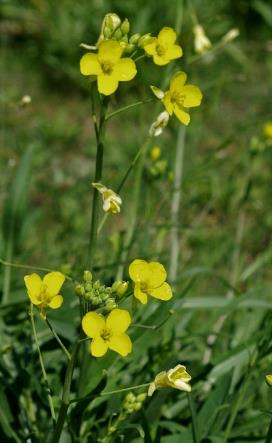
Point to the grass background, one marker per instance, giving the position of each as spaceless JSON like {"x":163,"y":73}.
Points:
{"x":47,"y":163}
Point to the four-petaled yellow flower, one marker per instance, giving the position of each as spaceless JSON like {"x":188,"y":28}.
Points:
{"x":108,"y":66}
{"x":149,"y":279}
{"x":177,"y":378}
{"x":108,"y":333}
{"x":44,"y":293}
{"x":179,"y":96}
{"x":163,"y":48}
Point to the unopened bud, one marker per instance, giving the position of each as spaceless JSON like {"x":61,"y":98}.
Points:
{"x":144,"y":39}
{"x":79,"y":290}
{"x":141,"y":397}
{"x":26,"y":100}
{"x":268,"y":379}
{"x":137,"y":406}
{"x":117,"y":34}
{"x":125,"y":26}
{"x":134,"y":38}
{"x":107,"y":32}
{"x":120,"y":287}
{"x":110,"y":304}
{"x":87,"y":276}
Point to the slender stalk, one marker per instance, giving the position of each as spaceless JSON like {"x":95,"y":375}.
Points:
{"x":175,"y":206}
{"x":63,"y":347}
{"x":99,"y":132}
{"x":195,"y":430}
{"x":65,"y":401}
{"x":103,"y":394}
{"x":125,"y":108}
{"x":37,"y":268}
{"x":7,"y":271}
{"x":50,"y":400}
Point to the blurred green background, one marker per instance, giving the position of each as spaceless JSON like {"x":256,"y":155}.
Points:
{"x":47,"y":164}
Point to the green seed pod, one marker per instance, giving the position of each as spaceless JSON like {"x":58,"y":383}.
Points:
{"x":134,"y":38}
{"x":125,"y":26}
{"x":87,"y":276}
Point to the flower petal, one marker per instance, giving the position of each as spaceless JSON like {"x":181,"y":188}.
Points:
{"x":160,"y":60}
{"x":107,"y":84}
{"x":183,"y":116}
{"x":164,"y":292}
{"x":150,"y":47}
{"x":89,"y":64}
{"x":168,"y":103}
{"x":120,"y":343}
{"x":156,"y":274}
{"x":118,"y":320}
{"x":177,"y":81}
{"x":138,"y":270}
{"x":53,"y":282}
{"x":56,"y":302}
{"x":93,"y":324}
{"x":125,"y":70}
{"x":33,"y":284}
{"x":109,"y":51}
{"x":98,"y":347}
{"x":139,"y":294}
{"x":173,"y":52}
{"x":193,"y":96}
{"x":167,"y":36}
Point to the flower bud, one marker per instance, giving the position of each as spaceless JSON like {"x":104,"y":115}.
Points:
{"x":130,"y":397}
{"x":231,"y":35}
{"x":107,"y":32}
{"x":79,"y":290}
{"x":125,"y":26}
{"x":155,"y":153}
{"x":134,"y":38}
{"x":110,"y":304}
{"x":120,"y":287}
{"x":141,"y":397}
{"x":111,"y":20}
{"x":87,"y":276}
{"x":137,"y":406}
{"x":144,"y":39}
{"x":268,"y":379}
{"x":128,"y":48}
{"x":117,"y":34}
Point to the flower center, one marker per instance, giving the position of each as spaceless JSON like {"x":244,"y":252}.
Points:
{"x":107,"y":68}
{"x":106,"y":334}
{"x":161,"y":50}
{"x":43,"y":296}
{"x":143,"y":286}
{"x":178,"y":98}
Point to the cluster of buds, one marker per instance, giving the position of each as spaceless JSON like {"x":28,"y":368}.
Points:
{"x":113,"y":28}
{"x":97,"y":294}
{"x":133,"y":403}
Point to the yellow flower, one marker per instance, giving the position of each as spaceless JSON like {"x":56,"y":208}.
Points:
{"x":108,"y":66}
{"x":267,"y":130}
{"x":179,"y":96}
{"x":163,"y":48}
{"x":108,"y":333}
{"x":44,"y":293}
{"x":201,"y":43}
{"x":111,"y":201}
{"x":176,"y":378}
{"x":149,"y":279}
{"x":269,"y":379}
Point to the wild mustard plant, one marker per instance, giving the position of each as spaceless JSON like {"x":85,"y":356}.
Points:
{"x":104,"y":324}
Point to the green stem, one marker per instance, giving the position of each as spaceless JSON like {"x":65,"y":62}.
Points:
{"x":7,"y":271}
{"x":37,"y":268}
{"x":268,"y":438}
{"x":195,"y":430}
{"x":125,"y":108}
{"x":63,"y":347}
{"x":117,"y":391}
{"x":50,"y":400}
{"x":65,"y":401}
{"x":99,"y":132}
